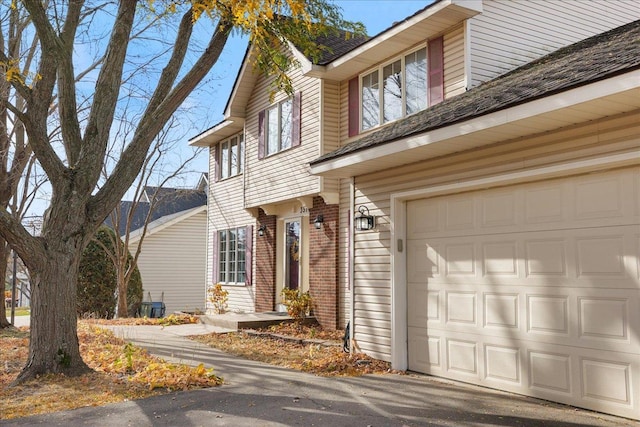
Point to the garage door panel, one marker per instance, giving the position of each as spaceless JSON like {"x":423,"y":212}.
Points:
{"x":545,"y":371}
{"x":501,"y":310}
{"x":424,"y":351}
{"x":581,"y":317}
{"x":575,"y":257}
{"x":603,"y":196}
{"x":533,"y":289}
{"x":503,"y":364}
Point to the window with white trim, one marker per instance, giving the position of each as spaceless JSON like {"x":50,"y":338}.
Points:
{"x":394,"y":90}
{"x":279,"y":119}
{"x":231,"y":255}
{"x":231,"y":154}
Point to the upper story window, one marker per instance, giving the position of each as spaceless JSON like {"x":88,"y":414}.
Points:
{"x":279,"y":127}
{"x":398,"y":88}
{"x":229,"y":157}
{"x":394,"y":90}
{"x":279,"y":122}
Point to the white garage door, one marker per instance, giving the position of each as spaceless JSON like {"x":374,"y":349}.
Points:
{"x":533,"y":288}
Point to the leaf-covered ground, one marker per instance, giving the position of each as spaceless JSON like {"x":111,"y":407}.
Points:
{"x":122,"y":372}
{"x":125,"y":372}
{"x":323,"y":356}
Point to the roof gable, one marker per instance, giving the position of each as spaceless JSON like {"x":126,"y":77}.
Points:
{"x":343,"y":57}
{"x":169,"y":201}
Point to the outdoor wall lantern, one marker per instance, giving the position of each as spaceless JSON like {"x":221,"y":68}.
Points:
{"x":261,"y":230}
{"x":318,"y":222}
{"x":364,"y":221}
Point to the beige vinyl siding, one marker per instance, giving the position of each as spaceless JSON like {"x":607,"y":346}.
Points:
{"x":225,"y":205}
{"x":330,"y":127}
{"x":372,"y":249}
{"x":241,"y":299}
{"x":510,"y":33}
{"x":455,"y":81}
{"x":172,"y":261}
{"x":283,"y":176}
{"x":344,"y":112}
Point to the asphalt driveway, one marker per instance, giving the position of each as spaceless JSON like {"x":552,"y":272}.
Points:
{"x":256,"y":394}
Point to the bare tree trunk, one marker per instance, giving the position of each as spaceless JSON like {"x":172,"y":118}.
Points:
{"x":123,"y":306}
{"x":54,"y":341}
{"x":4,"y":253}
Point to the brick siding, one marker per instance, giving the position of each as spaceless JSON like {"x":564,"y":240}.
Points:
{"x":323,"y":263}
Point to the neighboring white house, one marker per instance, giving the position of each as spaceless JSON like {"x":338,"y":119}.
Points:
{"x":173,"y":258}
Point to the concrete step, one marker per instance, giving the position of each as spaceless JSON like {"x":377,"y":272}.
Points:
{"x":238,"y":321}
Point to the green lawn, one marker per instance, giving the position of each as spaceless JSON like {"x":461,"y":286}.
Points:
{"x":20,"y":311}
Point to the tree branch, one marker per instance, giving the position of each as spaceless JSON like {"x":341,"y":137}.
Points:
{"x":19,"y":238}
{"x":105,"y":99}
{"x":40,"y":97}
{"x":150,"y":125}
{"x":69,"y":123}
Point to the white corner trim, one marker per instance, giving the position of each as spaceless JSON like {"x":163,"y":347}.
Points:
{"x":399,"y":334}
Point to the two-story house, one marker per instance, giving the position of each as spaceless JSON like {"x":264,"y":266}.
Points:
{"x":464,"y":188}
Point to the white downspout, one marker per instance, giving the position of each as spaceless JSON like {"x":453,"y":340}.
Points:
{"x":352,"y":236}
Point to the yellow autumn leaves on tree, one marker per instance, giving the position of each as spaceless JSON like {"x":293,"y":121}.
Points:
{"x":271,"y":25}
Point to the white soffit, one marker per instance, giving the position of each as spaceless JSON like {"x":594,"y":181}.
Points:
{"x":217,"y":133}
{"x":590,"y":102}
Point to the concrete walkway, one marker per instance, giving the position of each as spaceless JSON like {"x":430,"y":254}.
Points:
{"x":256,"y":394}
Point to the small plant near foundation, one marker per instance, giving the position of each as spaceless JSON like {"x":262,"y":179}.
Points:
{"x":298,"y":304}
{"x":218,"y":297}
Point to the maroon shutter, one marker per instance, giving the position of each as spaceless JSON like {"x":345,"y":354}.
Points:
{"x":295,"y":120}
{"x":216,"y":155}
{"x":215,"y":258}
{"x":248,"y":255}
{"x":354,"y":107}
{"x":261,"y":135}
{"x":436,"y":71}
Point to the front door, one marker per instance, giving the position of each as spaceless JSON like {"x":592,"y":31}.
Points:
{"x":292,"y":255}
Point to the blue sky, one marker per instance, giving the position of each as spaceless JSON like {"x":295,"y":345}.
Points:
{"x":376,"y":15}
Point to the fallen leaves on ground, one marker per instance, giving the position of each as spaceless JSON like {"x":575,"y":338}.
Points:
{"x":122,"y":372}
{"x":125,"y":372}
{"x":316,"y":358}
{"x":172,"y":319}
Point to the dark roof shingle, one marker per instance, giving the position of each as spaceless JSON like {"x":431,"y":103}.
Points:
{"x":602,"y":56}
{"x":169,"y":201}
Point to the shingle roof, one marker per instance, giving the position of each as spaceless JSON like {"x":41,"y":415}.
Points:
{"x":169,"y":201}
{"x":337,"y":43}
{"x":602,"y":56}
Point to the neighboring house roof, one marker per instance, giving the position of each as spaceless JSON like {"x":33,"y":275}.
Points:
{"x":169,"y":201}
{"x":165,"y":221}
{"x":596,"y":58}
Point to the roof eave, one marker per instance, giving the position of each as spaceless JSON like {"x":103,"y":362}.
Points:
{"x":549,"y":113}
{"x":217,"y":133}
